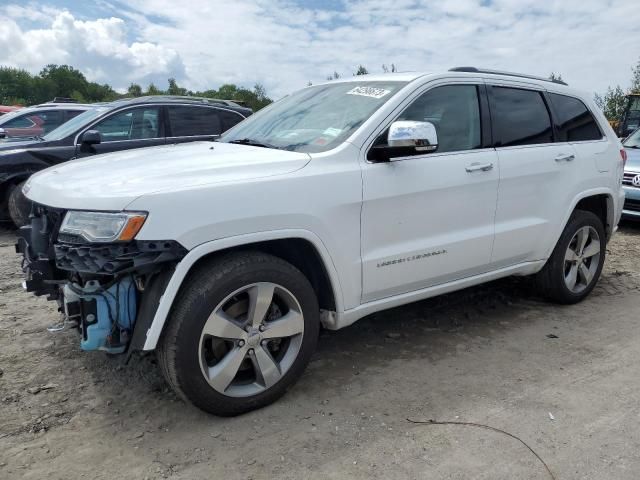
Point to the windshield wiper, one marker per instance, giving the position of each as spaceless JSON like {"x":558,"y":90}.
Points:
{"x":631,"y":146}
{"x":253,"y":143}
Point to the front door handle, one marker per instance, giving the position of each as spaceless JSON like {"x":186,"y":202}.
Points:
{"x":479,"y":167}
{"x":565,"y":158}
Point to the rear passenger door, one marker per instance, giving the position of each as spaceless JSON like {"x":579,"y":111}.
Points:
{"x":190,"y":123}
{"x":537,"y":171}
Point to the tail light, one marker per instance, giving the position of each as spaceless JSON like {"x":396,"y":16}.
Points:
{"x":623,"y":155}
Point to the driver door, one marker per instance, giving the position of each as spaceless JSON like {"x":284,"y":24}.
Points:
{"x":428,"y":218}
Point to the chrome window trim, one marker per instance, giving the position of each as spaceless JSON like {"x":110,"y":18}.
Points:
{"x":159,"y":105}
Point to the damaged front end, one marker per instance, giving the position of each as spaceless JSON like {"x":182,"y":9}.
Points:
{"x":107,"y":287}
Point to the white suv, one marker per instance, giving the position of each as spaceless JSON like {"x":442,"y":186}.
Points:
{"x":338,"y":201}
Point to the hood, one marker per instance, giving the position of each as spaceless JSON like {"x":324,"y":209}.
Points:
{"x":112,"y":181}
{"x":633,"y":159}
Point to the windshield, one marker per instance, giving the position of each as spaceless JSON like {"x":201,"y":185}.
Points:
{"x":75,"y":123}
{"x":315,"y":119}
{"x":633,"y":140}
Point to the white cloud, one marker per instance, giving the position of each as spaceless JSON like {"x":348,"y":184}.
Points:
{"x":99,"y":48}
{"x":283,"y":45}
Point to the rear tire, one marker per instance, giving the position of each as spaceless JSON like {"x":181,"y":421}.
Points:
{"x":18,"y":206}
{"x":213,"y":325}
{"x":575,"y":265}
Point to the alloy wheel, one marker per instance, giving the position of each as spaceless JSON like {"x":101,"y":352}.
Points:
{"x":251,"y":339}
{"x":581,"y":259}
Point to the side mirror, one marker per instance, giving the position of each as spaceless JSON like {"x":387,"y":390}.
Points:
{"x":91,"y":137}
{"x":406,"y":138}
{"x":421,"y":136}
{"x":3,"y":133}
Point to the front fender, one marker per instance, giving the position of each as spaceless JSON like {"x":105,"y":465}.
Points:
{"x":186,"y":264}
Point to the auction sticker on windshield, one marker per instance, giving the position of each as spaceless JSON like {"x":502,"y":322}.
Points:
{"x":369,"y":92}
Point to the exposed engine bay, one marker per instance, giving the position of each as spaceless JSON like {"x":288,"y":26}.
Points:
{"x":102,"y":289}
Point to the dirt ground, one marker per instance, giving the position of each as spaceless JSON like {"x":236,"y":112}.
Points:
{"x":482,"y":355}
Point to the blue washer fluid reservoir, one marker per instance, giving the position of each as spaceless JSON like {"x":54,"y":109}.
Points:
{"x":110,"y":327}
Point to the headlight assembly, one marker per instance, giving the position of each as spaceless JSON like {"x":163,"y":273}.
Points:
{"x":103,"y":226}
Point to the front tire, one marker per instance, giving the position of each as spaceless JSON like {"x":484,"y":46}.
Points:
{"x":18,"y":206}
{"x":575,"y":265}
{"x":241,"y":332}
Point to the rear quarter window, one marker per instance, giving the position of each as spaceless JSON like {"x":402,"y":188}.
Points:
{"x":575,"y":121}
{"x":520,"y":117}
{"x":230,"y":119}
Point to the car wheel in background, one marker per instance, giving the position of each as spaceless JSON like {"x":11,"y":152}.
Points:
{"x":18,"y":205}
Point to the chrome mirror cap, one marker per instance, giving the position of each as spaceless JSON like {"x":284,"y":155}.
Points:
{"x":408,"y":133}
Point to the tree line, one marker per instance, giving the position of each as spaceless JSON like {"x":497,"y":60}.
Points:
{"x":19,"y":87}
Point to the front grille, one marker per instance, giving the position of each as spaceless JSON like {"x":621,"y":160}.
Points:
{"x":633,"y":205}
{"x":628,"y":177}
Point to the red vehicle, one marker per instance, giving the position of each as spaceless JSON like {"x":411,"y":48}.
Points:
{"x":38,"y":120}
{"x":8,"y":109}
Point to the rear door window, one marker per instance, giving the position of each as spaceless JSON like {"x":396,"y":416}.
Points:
{"x":520,"y":117}
{"x":575,"y":122}
{"x":191,"y":121}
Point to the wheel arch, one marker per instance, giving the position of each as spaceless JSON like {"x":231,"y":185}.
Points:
{"x":301,"y":248}
{"x":5,"y":188}
{"x":9,"y":181}
{"x":599,"y":201}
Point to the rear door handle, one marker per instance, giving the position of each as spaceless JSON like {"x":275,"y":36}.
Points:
{"x":479,"y":167}
{"x":565,"y":158}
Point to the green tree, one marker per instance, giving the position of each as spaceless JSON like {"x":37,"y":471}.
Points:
{"x":558,"y":77}
{"x":227,"y":92}
{"x":635,"y":79}
{"x":361,"y":70}
{"x":16,"y":86}
{"x":153,"y":90}
{"x":65,"y":78}
{"x":135,"y":90}
{"x":20,"y":87}
{"x":612,"y":103}
{"x":174,"y":89}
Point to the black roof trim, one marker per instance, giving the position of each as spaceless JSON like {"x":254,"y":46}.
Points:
{"x":509,"y":74}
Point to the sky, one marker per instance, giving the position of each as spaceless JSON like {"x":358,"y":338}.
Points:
{"x":285,"y":44}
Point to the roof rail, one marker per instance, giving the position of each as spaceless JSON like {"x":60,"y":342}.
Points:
{"x":63,"y":100}
{"x":509,"y":74}
{"x":181,"y":98}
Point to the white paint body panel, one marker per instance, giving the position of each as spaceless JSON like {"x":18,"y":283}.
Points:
{"x":356,"y":214}
{"x":426,"y":205}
